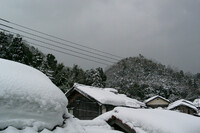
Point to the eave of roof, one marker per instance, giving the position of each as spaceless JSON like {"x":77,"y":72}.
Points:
{"x":154,"y":97}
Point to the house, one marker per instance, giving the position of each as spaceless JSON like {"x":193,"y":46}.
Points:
{"x":87,"y":102}
{"x":129,"y":120}
{"x":196,"y":102}
{"x":157,"y":101}
{"x":183,"y":106}
{"x":119,"y":125}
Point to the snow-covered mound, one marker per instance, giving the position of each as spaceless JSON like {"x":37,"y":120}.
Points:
{"x":28,"y":98}
{"x":154,"y":120}
{"x":97,"y":126}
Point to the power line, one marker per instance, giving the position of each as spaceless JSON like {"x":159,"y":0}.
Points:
{"x":59,"y":46}
{"x":59,"y":50}
{"x":55,"y":41}
{"x":68,"y":53}
{"x":78,"y":44}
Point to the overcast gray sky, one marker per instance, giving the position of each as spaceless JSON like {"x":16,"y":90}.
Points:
{"x":164,"y":30}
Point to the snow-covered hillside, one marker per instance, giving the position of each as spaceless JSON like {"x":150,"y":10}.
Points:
{"x":142,"y":78}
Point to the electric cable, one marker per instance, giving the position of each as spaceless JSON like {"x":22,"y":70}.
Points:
{"x":59,"y":51}
{"x":57,"y":46}
{"x":55,"y":41}
{"x":78,"y":44}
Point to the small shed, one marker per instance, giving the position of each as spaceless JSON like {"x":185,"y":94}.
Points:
{"x":183,"y":106}
{"x":157,"y":101}
{"x":87,"y":102}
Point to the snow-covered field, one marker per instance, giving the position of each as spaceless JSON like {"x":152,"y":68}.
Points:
{"x":155,"y":120}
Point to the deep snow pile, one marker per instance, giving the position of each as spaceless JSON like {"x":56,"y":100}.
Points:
{"x":155,"y":120}
{"x":28,"y":98}
{"x":70,"y":126}
{"x":96,"y":126}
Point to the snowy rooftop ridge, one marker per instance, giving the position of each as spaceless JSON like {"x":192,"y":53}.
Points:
{"x":182,"y":102}
{"x":107,"y":96}
{"x":28,"y":98}
{"x":157,"y":96}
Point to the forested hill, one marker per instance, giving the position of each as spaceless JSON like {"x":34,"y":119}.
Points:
{"x":16,"y":49}
{"x":142,"y":78}
{"x":138,"y":77}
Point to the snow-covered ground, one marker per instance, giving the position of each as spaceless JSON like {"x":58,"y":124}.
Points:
{"x":155,"y":120}
{"x":70,"y":126}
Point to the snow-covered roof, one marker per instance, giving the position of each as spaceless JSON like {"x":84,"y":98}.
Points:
{"x":196,"y":102}
{"x":182,"y":102}
{"x":154,"y":120}
{"x":154,"y":97}
{"x":28,"y":98}
{"x":105,"y":96}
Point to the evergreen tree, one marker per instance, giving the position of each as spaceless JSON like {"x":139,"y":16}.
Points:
{"x":95,"y":77}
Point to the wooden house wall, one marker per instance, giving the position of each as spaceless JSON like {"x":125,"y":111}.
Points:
{"x":185,"y":109}
{"x":82,"y":107}
{"x":157,"y":102}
